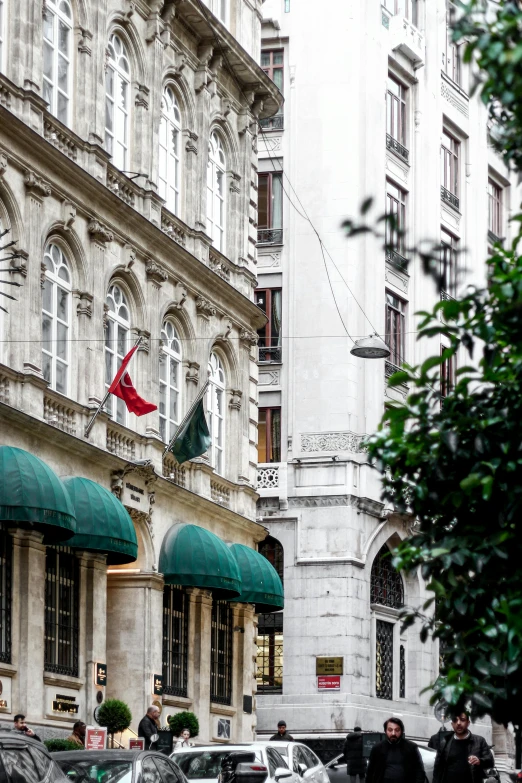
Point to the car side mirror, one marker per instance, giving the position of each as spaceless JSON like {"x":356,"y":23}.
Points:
{"x":302,"y":769}
{"x":281,"y":773}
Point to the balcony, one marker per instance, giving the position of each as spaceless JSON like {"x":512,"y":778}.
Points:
{"x":395,"y":259}
{"x":269,"y":236}
{"x":407,"y":39}
{"x":271,"y":354}
{"x":267,"y":476}
{"x":449,"y":198}
{"x":396,"y":146}
{"x":272,"y":123}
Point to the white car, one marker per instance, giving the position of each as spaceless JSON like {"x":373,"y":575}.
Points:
{"x":202,"y":764}
{"x":301,"y":760}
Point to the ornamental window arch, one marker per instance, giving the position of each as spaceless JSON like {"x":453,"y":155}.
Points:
{"x":171,"y":159}
{"x":216,"y":410}
{"x":170,"y":379}
{"x":117,"y":323}
{"x":217,"y":202}
{"x":57,"y":286}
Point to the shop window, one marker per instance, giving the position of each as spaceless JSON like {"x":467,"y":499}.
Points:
{"x":221,"y":653}
{"x":6,"y":556}
{"x":62,"y":583}
{"x":269,"y":435}
{"x":269,"y":300}
{"x":175,"y":640}
{"x":269,"y":658}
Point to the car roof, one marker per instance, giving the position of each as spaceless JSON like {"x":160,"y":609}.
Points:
{"x":223,"y":746}
{"x":78,"y":755}
{"x":15,"y":736}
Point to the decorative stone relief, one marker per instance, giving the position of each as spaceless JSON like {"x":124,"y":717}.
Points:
{"x":99,"y":233}
{"x":68,"y":214}
{"x":142,"y":96}
{"x":453,"y":98}
{"x":155,"y":273}
{"x":192,"y":375}
{"x":235,"y":399}
{"x":268,"y":259}
{"x":332,"y":441}
{"x":182,"y":294}
{"x":3,"y":164}
{"x":129,"y":256}
{"x":323,"y":501}
{"x":35,"y":185}
{"x":191,"y":145}
{"x":84,"y":44}
{"x":235,"y":179}
{"x":43,"y":270}
{"x":247,"y":337}
{"x":271,"y":143}
{"x":84,"y":306}
{"x":268,"y":478}
{"x":148,"y":474}
{"x":205,"y":308}
{"x":395,"y":278}
{"x":270,"y":378}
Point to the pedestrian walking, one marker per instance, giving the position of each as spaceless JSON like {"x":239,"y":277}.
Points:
{"x":353,"y":755}
{"x":282,"y":734}
{"x":21,"y":726}
{"x":183,"y":740}
{"x":148,"y":727}
{"x":462,"y":757}
{"x":395,"y":759}
{"x":436,"y":739}
{"x":78,"y":734}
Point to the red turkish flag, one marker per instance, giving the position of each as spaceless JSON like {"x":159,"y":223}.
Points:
{"x":122,"y":387}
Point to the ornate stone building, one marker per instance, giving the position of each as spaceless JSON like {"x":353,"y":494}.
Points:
{"x":128,"y":185}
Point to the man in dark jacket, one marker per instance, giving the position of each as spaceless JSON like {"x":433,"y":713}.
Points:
{"x":395,"y":759}
{"x":148,"y":727}
{"x":462,"y":757}
{"x":353,"y":755}
{"x":282,"y":734}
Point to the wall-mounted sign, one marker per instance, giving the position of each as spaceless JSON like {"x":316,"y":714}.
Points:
{"x":157,"y":684}
{"x":329,"y":665}
{"x":223,"y":728}
{"x":63,"y":703}
{"x":329,"y":682}
{"x":137,"y":743}
{"x":95,"y":738}
{"x":135,"y":493}
{"x":3,"y":704}
{"x":99,"y":697}
{"x":165,"y":742}
{"x":101,"y":674}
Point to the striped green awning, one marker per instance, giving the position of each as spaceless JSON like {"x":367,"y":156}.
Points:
{"x":261,"y":584}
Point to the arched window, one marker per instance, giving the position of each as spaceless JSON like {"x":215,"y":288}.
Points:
{"x":216,"y":200}
{"x":117,"y":102}
{"x":170,"y":381}
{"x":57,"y":57}
{"x":170,"y":151}
{"x":56,"y":318}
{"x":269,"y":658}
{"x":386,"y":586}
{"x":216,"y":412}
{"x":116,"y":346}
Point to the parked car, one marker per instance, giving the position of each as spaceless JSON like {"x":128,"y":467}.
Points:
{"x":123,"y":766}
{"x":302,"y":760}
{"x":25,"y":760}
{"x":204,"y":762}
{"x":336,"y":768}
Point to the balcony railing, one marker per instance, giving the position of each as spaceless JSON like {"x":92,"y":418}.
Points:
{"x":268,"y":477}
{"x":396,"y":146}
{"x":390,"y":369}
{"x":446,"y":297}
{"x":273,"y":123}
{"x":269,"y":236}
{"x":395,"y":259}
{"x":268,"y":353}
{"x":449,"y":198}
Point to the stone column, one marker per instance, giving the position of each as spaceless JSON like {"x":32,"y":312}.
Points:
{"x":28,"y":622}
{"x":200,"y":608}
{"x":134,"y":637}
{"x":93,"y":611}
{"x":243,"y":672}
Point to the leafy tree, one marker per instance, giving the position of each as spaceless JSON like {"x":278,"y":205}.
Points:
{"x":184,"y":720}
{"x":116,"y":715}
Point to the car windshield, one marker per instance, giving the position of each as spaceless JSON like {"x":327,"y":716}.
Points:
{"x":107,"y":771}
{"x":202,"y":766}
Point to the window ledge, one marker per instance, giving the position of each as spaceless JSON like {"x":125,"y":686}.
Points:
{"x":221,"y":709}
{"x":63,"y":681}
{"x":177,"y":701}
{"x":8,"y":670}
{"x":385,"y":611}
{"x":454,"y":85}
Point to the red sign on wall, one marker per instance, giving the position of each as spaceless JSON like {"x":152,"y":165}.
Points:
{"x":331,"y":682}
{"x":95,"y":738}
{"x":137,"y":743}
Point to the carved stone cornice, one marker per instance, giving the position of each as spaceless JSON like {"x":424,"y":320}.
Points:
{"x":99,"y":232}
{"x":235,"y":179}
{"x":35,"y":185}
{"x":142,"y":96}
{"x":85,"y":42}
{"x":205,"y":308}
{"x":85,"y":300}
{"x":248,"y":338}
{"x":192,"y":375}
{"x":3,"y":164}
{"x":155,"y":273}
{"x":235,"y":399}
{"x":68,"y":214}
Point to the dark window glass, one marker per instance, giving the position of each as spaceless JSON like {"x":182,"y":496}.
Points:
{"x":395,"y":328}
{"x":386,"y":587}
{"x":20,"y":765}
{"x":269,"y":300}
{"x":384,"y":660}
{"x":270,"y":209}
{"x":62,"y":579}
{"x":451,"y":58}
{"x":495,"y":209}
{"x":149,"y":771}
{"x":396,"y":110}
{"x":6,"y":557}
{"x":175,"y":640}
{"x":272,"y":549}
{"x":269,"y":435}
{"x":447,"y":373}
{"x":221,"y":653}
{"x":167,"y":771}
{"x":395,"y":206}
{"x":448,"y":262}
{"x":272,"y":62}
{"x":269,"y":659}
{"x":402,"y":672}
{"x":450,"y":150}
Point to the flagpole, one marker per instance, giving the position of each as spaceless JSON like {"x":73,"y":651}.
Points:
{"x":187,"y":416}
{"x":98,"y":410}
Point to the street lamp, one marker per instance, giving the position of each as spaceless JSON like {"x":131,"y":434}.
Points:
{"x":371,"y":347}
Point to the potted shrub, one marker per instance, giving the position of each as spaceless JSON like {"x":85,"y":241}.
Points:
{"x":184,"y":720}
{"x":116,"y":716}
{"x":57,"y":744}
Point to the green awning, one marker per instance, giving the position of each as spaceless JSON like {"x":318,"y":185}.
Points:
{"x":32,"y":496}
{"x":261,"y":584}
{"x":194,"y":557}
{"x":103,"y":524}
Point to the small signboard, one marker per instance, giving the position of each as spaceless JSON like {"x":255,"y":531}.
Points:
{"x":65,"y":703}
{"x":95,"y":738}
{"x":137,"y":743}
{"x":165,"y":741}
{"x":101,"y":674}
{"x":157,"y":684}
{"x":329,"y":682}
{"x":370,"y":739}
{"x":329,"y":665}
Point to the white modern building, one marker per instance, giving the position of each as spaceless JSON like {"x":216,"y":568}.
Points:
{"x":376,"y":104}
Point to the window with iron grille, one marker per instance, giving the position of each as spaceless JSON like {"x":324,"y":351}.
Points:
{"x":449,"y":159}
{"x":386,"y":587}
{"x":62,"y":594}
{"x":395,"y":328}
{"x":384,"y":660}
{"x":396,"y":117}
{"x":402,"y":672}
{"x":175,"y":640}
{"x":6,"y":557}
{"x":448,"y":263}
{"x":272,"y":63}
{"x":269,"y":659}
{"x":269,"y":435}
{"x":494,"y":210}
{"x":269,"y":300}
{"x":270,"y":209}
{"x":221,"y":653}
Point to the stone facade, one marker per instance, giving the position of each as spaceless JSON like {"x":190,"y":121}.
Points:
{"x":321,"y":499}
{"x":60,"y":187}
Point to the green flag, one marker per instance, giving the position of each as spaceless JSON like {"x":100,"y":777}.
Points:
{"x":193,"y":439}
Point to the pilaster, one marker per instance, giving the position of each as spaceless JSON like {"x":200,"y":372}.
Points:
{"x":200,"y":607}
{"x":93,"y":611}
{"x":243,"y":683}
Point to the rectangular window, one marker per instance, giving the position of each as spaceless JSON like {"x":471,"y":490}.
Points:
{"x":272,"y":63}
{"x":269,"y":336}
{"x":448,"y":263}
{"x":447,"y":374}
{"x":449,"y":159}
{"x":269,"y":435}
{"x":395,"y":328}
{"x":221,"y":653}
{"x":412,"y":11}
{"x":62,"y":581}
{"x":402,"y":672}
{"x":495,"y":224}
{"x":391,"y":5}
{"x":269,"y":658}
{"x":175,"y":640}
{"x":451,"y":57}
{"x":395,"y":206}
{"x":270,"y":209}
{"x":384,"y":660}
{"x":396,"y":118}
{"x":6,"y":556}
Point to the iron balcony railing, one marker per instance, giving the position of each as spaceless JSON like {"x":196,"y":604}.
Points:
{"x":270,"y":353}
{"x":396,"y":146}
{"x":449,"y":198}
{"x":396,"y":260}
{"x":269,"y":236}
{"x":273,"y":123}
